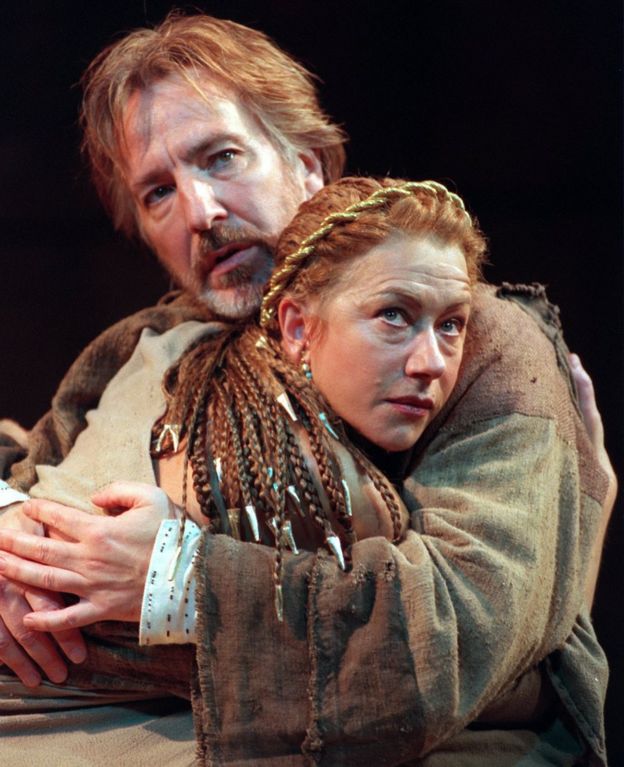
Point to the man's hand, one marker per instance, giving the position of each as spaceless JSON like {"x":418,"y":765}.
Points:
{"x":101,"y":559}
{"x":595,"y":429}
{"x":24,"y":650}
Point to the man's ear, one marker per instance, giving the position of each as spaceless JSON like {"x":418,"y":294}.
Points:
{"x":312,"y":171}
{"x":293,"y":322}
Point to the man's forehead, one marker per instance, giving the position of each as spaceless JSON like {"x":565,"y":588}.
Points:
{"x":178,"y":115}
{"x":175,"y":97}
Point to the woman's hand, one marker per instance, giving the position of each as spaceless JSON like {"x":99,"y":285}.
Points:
{"x":595,"y":429}
{"x":101,"y":559}
{"x":593,"y":424}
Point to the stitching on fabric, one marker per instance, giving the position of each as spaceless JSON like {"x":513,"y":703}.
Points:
{"x":547,"y":317}
{"x":571,"y":705}
{"x":205,"y":662}
{"x":313,"y":741}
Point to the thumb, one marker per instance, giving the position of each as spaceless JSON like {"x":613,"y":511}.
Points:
{"x":121,"y":496}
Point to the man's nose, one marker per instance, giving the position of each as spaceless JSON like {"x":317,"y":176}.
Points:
{"x":425,"y":358}
{"x":201,"y":205}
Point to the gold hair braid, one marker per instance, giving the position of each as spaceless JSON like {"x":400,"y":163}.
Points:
{"x":282,"y":277}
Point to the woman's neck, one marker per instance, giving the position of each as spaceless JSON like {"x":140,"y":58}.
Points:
{"x":392,"y":464}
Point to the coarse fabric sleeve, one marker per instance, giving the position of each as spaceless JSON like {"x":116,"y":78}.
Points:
{"x":382,"y":664}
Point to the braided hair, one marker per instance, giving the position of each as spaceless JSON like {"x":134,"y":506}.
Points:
{"x":241,"y":406}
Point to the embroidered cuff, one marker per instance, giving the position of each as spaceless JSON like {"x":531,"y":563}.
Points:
{"x":168,"y":608}
{"x":8,"y":495}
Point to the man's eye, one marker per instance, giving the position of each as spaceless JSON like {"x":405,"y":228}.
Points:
{"x":222,"y":160}
{"x":156,"y":195}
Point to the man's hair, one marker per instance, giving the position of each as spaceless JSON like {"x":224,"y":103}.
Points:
{"x":273,"y":87}
{"x":346,"y":219}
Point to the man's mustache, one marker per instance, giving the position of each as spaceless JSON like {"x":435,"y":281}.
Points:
{"x":225,"y":234}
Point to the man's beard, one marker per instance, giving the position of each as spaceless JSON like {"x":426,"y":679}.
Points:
{"x":236,"y":294}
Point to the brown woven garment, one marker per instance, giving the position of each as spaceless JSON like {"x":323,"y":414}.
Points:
{"x":388,"y":663}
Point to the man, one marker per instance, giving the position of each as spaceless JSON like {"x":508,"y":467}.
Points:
{"x":208,"y":164}
{"x":237,"y":183}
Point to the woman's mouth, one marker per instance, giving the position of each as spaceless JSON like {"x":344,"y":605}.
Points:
{"x":412,"y":406}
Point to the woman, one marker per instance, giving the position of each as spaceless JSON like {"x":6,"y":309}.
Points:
{"x":371,"y":299}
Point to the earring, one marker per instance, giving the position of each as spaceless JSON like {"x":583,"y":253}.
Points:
{"x":305,"y":365}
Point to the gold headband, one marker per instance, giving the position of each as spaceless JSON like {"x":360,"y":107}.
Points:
{"x":282,"y":277}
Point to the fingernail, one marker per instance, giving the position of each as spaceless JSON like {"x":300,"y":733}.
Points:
{"x":31,"y":679}
{"x":77,"y":654}
{"x":574,"y":360}
{"x":58,"y":675}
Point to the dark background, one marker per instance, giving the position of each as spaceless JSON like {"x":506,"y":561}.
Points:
{"x":516,"y":105}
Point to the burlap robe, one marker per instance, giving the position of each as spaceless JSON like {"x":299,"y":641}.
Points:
{"x":391,"y":662}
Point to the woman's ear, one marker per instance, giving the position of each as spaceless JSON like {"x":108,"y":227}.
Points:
{"x":293,"y":322}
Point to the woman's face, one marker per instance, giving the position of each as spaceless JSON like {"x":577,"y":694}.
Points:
{"x":386,"y":345}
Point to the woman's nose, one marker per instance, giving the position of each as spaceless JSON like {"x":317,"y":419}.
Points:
{"x":425,"y":359}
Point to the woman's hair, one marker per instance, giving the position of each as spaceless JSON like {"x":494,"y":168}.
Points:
{"x":274,"y":88}
{"x":236,"y":399}
{"x":349,"y":217}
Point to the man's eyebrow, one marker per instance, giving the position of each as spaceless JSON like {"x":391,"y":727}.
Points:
{"x":209,"y":144}
{"x":205,"y":145}
{"x":149,"y":179}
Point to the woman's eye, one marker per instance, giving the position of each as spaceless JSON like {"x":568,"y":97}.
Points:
{"x":452,"y":327}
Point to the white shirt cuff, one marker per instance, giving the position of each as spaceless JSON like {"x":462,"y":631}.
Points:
{"x":168,"y":608}
{"x":8,"y":495}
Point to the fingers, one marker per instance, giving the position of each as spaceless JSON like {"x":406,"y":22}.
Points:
{"x":68,"y":619}
{"x":23,"y":649}
{"x":121,"y":496}
{"x":587,"y":401}
{"x":40,"y":576}
{"x":70,"y":641}
{"x":45,"y":551}
{"x":14,"y":519}
{"x":72,"y":523}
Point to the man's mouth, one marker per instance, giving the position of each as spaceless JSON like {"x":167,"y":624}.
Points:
{"x":230,"y":256}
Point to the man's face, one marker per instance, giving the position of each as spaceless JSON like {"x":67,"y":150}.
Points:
{"x":212,"y":192}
